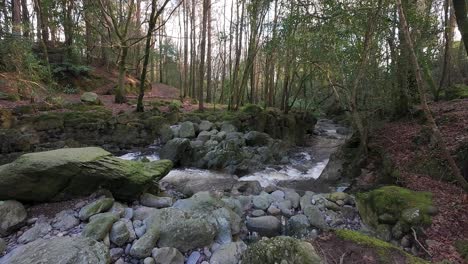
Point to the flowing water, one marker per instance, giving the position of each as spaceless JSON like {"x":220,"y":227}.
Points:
{"x":304,"y":166}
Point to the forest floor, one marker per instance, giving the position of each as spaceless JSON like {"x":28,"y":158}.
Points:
{"x":402,"y":142}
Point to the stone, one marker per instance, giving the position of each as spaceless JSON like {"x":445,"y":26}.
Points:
{"x":139,"y":227}
{"x":143,"y":246}
{"x":12,"y":215}
{"x":298,"y":226}
{"x":233,"y":204}
{"x":99,"y":226}
{"x":149,"y":260}
{"x":119,"y":233}
{"x":286,"y":208}
{"x":273,"y":210}
{"x":292,"y":196}
{"x":384,"y":232}
{"x":116,"y":253}
{"x":204,"y":136}
{"x":262,"y":201}
{"x":278,"y":195}
{"x":167,"y":255}
{"x":247,"y":188}
{"x":76,"y":250}
{"x":187,"y":130}
{"x":39,"y":230}
{"x":118,"y":209}
{"x":229,"y":254}
{"x":205,"y":125}
{"x":143,"y":212}
{"x":128,"y":214}
{"x":65,"y":220}
{"x":193,"y":258}
{"x":228,"y":128}
{"x":306,"y":199}
{"x":257,"y":213}
{"x":281,"y":250}
{"x":412,"y":216}
{"x":264,"y":225}
{"x":75,"y":172}
{"x":399,"y":229}
{"x":255,"y":138}
{"x":150,"y":200}
{"x":2,"y":245}
{"x":90,"y":98}
{"x":95,"y":207}
{"x":176,"y":149}
{"x":315,"y":217}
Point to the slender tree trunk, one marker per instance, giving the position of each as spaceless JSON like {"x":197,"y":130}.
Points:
{"x":422,"y":95}
{"x":6,"y":27}
{"x":206,"y":6}
{"x":208,"y":58}
{"x":448,"y":35}
{"x":120,"y":92}
{"x":461,"y":12}
{"x":26,"y":19}
{"x":16,"y":18}
{"x":186,"y":35}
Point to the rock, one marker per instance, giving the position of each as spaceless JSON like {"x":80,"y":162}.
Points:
{"x":228,"y":128}
{"x":65,"y":220}
{"x":384,"y":232}
{"x":150,"y":200}
{"x":116,"y":253}
{"x":257,"y":213}
{"x":205,"y":125}
{"x":71,"y":172}
{"x":99,"y":226}
{"x":262,"y":201}
{"x":298,"y":226}
{"x":90,"y":98}
{"x":412,"y":216}
{"x":315,"y":217}
{"x":193,"y":258}
{"x":139,"y":227}
{"x":292,"y":196}
{"x":273,"y":210}
{"x":187,"y":130}
{"x":233,"y":204}
{"x":118,"y":209}
{"x":405,"y":242}
{"x":143,"y":246}
{"x":167,"y":255}
{"x":39,"y":230}
{"x":95,"y":207}
{"x":255,"y":138}
{"x":149,"y":260}
{"x":76,"y":250}
{"x":12,"y":215}
{"x":306,"y":199}
{"x":286,"y":208}
{"x":176,"y":149}
{"x":204,"y":136}
{"x":387,"y":219}
{"x":128,"y":214}
{"x":119,"y":233}
{"x":2,"y":245}
{"x":229,"y":254}
{"x":399,"y":230}
{"x":281,"y":250}
{"x":143,"y":212}
{"x":165,"y":133}
{"x":247,"y":188}
{"x":336,"y":196}
{"x":264,"y":225}
{"x":278,"y":195}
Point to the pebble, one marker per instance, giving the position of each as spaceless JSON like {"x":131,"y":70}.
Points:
{"x":193,"y":258}
{"x":149,"y":260}
{"x":257,"y":213}
{"x":207,"y":252}
{"x":116,"y":253}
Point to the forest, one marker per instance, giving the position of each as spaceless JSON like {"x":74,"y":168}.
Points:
{"x":233,"y":131}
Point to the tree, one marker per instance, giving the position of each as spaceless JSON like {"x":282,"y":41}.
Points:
{"x":461,"y":12}
{"x":206,"y":7}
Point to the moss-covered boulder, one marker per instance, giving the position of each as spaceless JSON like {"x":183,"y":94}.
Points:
{"x":64,"y":173}
{"x":386,"y":252}
{"x":400,"y":204}
{"x":90,"y":98}
{"x":284,"y":250}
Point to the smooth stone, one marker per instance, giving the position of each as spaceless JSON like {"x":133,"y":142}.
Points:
{"x":116,"y":253}
{"x":273,"y":210}
{"x":118,"y":209}
{"x":12,"y":215}
{"x":150,"y":200}
{"x":262,"y":201}
{"x":167,"y":255}
{"x":193,"y":258}
{"x":264,"y":225}
{"x":143,"y":246}
{"x":141,"y":213}
{"x":229,"y":254}
{"x":65,"y":220}
{"x":315,"y":217}
{"x":39,"y":230}
{"x":292,"y":196}
{"x":99,"y":226}
{"x":298,"y":226}
{"x":149,"y":260}
{"x":278,"y":195}
{"x":95,"y":207}
{"x":258,"y":213}
{"x":119,"y":233}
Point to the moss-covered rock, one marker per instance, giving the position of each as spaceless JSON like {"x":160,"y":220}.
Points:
{"x":64,"y":173}
{"x":284,"y":250}
{"x":413,"y":208}
{"x":384,"y":249}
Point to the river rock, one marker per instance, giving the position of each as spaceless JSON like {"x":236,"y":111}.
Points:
{"x":315,"y":217}
{"x":176,"y":149}
{"x":193,"y":258}
{"x":281,"y":250}
{"x":150,"y":200}
{"x":187,"y":130}
{"x":298,"y":226}
{"x":229,"y":254}
{"x":228,"y":128}
{"x":142,"y":212}
{"x":262,"y":201}
{"x":204,"y":136}
{"x":255,"y":138}
{"x":258,"y":213}
{"x":119,"y":233}
{"x":65,"y":220}
{"x":143,"y":246}
{"x":264,"y":225}
{"x":99,"y":226}
{"x":167,"y":255}
{"x":37,"y":231}
{"x":12,"y":215}
{"x":90,"y":98}
{"x":71,"y":172}
{"x":247,"y":188}
{"x":76,"y":250}
{"x":95,"y":207}
{"x":205,"y":125}
{"x":118,"y":209}
{"x":115,"y":254}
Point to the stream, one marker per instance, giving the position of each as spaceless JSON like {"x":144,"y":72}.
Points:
{"x":303,"y":167}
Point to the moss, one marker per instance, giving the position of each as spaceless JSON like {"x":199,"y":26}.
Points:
{"x":252,"y":109}
{"x":383,"y":248}
{"x":462,"y":248}
{"x":47,"y":121}
{"x":393,"y":200}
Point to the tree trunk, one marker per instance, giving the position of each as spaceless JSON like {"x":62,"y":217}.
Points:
{"x":120,"y":92}
{"x":206,"y":6}
{"x":26,"y":19}
{"x":461,"y":12}
{"x":208,"y":59}
{"x":448,"y":35}
{"x":422,"y":95}
{"x":16,"y":18}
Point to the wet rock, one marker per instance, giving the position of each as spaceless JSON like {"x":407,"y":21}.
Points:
{"x":139,"y":227}
{"x":264,"y":225}
{"x":254,"y":138}
{"x":167,"y":255}
{"x":187,"y":130}
{"x":298,"y":226}
{"x":149,"y":261}
{"x":315,"y":217}
{"x":204,"y":136}
{"x":273,"y":210}
{"x":76,"y":250}
{"x":95,"y":207}
{"x":128,"y":214}
{"x":292,"y":196}
{"x":233,"y":204}
{"x":229,"y":254}
{"x":278,"y":195}
{"x":119,"y":233}
{"x":193,"y":258}
{"x":176,"y":149}
{"x":143,"y":246}
{"x":118,"y":209}
{"x":39,"y":230}
{"x":99,"y":226}
{"x":286,"y":208}
{"x":247,"y":188}
{"x":258,"y":213}
{"x":306,"y":199}
{"x":281,"y":250}
{"x":150,"y":200}
{"x":228,"y":128}
{"x":12,"y":215}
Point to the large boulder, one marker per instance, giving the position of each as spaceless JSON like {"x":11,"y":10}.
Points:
{"x":281,"y":250}
{"x":65,"y":250}
{"x":12,"y":216}
{"x":176,"y":149}
{"x":255,"y":138}
{"x":90,"y":98}
{"x":187,"y":130}
{"x":65,"y":173}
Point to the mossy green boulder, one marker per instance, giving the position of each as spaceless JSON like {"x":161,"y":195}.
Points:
{"x":71,"y":172}
{"x":410,"y":207}
{"x":284,"y":250}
